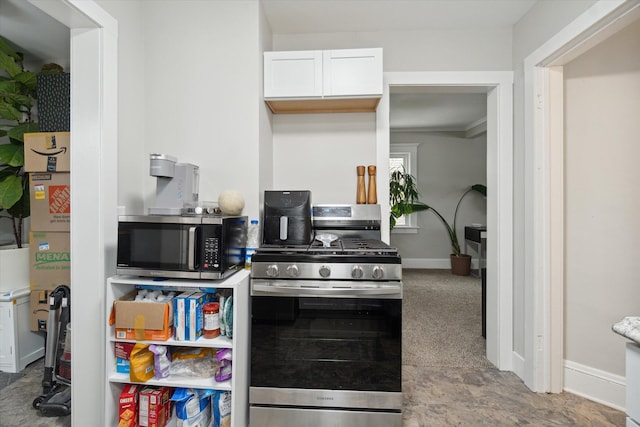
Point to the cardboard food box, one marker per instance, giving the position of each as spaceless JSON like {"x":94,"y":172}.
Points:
{"x":47,"y":152}
{"x":122,"y":350}
{"x":38,"y":311}
{"x":155,"y":406}
{"x":49,"y":260}
{"x":195,"y":318}
{"x":128,"y":406}
{"x":138,"y":320}
{"x":180,"y":315}
{"x":50,"y":199}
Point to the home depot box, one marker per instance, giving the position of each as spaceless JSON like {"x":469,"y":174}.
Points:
{"x":47,"y":152}
{"x":49,"y":260}
{"x":38,"y":311}
{"x":50,"y":199}
{"x":140,"y":320}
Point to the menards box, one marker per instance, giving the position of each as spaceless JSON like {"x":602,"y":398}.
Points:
{"x":47,"y":152}
{"x":141,"y":320}
{"x":50,"y":199}
{"x":49,"y":260}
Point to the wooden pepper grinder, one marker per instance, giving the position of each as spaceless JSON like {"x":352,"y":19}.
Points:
{"x":361,"y":194}
{"x":372,"y":193}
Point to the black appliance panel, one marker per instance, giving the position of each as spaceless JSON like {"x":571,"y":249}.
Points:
{"x":295,"y":206}
{"x":326,"y":343}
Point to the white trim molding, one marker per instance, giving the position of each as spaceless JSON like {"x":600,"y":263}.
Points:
{"x":594,"y":384}
{"x":499,"y":88}
{"x":94,"y":164}
{"x":544,"y":285}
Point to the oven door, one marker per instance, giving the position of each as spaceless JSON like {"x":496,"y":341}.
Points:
{"x":326,"y":344}
{"x":163,"y":246}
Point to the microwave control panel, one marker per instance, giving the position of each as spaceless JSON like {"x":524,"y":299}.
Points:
{"x":211,"y":248}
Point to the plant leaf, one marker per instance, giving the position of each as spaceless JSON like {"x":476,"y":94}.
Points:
{"x":7,"y":50}
{"x":482,"y":189}
{"x":18,"y":100}
{"x":27,"y":78}
{"x":17,"y":132}
{"x":10,"y":191}
{"x":12,"y":154}
{"x":9,"y":65}
{"x":9,"y":112}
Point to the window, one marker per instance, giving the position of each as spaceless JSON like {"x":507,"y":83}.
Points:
{"x":404,"y":156}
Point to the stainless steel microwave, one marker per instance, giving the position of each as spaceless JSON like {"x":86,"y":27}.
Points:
{"x":187,"y":247}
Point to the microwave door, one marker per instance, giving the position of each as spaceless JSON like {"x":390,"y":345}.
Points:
{"x":158,"y":249}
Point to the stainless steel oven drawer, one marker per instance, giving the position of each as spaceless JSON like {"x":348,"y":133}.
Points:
{"x":279,"y":417}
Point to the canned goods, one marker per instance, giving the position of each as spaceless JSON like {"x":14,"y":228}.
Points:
{"x":211,"y":328}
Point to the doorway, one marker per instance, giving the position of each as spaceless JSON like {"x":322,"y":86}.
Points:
{"x":498,"y":86}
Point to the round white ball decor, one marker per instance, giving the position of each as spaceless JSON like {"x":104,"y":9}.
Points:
{"x":231,"y":202}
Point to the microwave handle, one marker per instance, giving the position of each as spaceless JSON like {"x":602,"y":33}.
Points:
{"x":191,"y":257}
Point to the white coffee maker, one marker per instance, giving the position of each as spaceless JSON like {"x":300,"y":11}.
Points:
{"x":177,"y":185}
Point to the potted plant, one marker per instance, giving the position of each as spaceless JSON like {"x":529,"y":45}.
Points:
{"x":17,"y":99}
{"x":404,"y":200}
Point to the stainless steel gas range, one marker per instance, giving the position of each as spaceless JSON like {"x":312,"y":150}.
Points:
{"x":326,"y":344}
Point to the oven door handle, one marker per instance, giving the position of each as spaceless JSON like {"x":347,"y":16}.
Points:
{"x":355,"y":292}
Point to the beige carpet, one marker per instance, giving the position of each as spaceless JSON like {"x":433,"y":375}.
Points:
{"x":442,"y":320}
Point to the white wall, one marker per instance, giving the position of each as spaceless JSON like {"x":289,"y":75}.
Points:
{"x":447,"y":166}
{"x":432,"y":50}
{"x":265,"y":177}
{"x":542,"y":21}
{"x":320,"y":152}
{"x":305,"y":144}
{"x":132,"y":172}
{"x":602,"y":101}
{"x":189,"y":86}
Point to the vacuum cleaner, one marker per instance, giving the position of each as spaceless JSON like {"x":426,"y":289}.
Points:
{"x":55,"y":400}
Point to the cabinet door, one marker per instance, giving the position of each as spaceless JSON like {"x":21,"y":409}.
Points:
{"x":295,"y":74}
{"x":352,"y":72}
{"x":7,"y":338}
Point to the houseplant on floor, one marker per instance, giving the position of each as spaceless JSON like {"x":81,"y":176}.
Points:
{"x":404,"y":200}
{"x":17,"y":99}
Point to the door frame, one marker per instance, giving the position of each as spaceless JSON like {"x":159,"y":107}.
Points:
{"x":94,"y":166}
{"x":499,"y":85}
{"x":543,"y":367}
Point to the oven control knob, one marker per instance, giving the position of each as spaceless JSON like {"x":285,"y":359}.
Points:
{"x":293,"y":271}
{"x":357,"y":272}
{"x":272,"y":270}
{"x":378,"y":272}
{"x":325,"y":271}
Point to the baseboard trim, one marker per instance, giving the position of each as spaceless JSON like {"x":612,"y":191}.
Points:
{"x":433,"y":263}
{"x":593,"y":384}
{"x":517,"y":364}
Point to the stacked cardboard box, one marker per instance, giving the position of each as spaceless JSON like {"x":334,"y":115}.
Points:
{"x":47,"y":159}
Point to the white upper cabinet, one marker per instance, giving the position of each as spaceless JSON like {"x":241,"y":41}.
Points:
{"x":293,"y":74}
{"x":343,"y":80}
{"x":352,"y":72}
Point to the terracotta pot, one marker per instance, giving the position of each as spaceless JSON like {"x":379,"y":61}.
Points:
{"x":460,"y":264}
